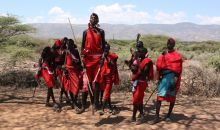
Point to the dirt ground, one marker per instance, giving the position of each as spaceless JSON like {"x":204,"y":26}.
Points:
{"x":19,"y":111}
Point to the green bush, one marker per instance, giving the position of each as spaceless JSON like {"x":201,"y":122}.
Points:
{"x":215,"y":62}
{"x":22,"y":54}
{"x":154,"y":42}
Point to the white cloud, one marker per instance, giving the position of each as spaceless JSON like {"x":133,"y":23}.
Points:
{"x":56,"y":15}
{"x":124,"y":14}
{"x":114,"y":14}
{"x":56,"y":10}
{"x":208,"y":19}
{"x":165,"y":18}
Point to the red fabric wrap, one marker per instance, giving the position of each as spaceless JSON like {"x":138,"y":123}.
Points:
{"x":107,"y":87}
{"x":111,"y":71}
{"x":71,"y":82}
{"x":138,"y":94}
{"x":48,"y":78}
{"x":92,"y":64}
{"x":92,"y":54}
{"x":93,"y":42}
{"x":167,"y":98}
{"x":171,"y":61}
{"x":141,"y":67}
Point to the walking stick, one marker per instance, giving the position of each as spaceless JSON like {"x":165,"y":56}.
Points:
{"x":38,"y":84}
{"x":35,"y":89}
{"x":150,"y":96}
{"x":103,"y":58}
{"x":84,"y":69}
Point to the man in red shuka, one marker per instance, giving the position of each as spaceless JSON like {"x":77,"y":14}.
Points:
{"x":109,"y":75}
{"x":169,"y":69}
{"x":73,"y":69}
{"x":93,"y":43}
{"x":140,"y":77}
{"x":59,"y":59}
{"x":46,"y":70}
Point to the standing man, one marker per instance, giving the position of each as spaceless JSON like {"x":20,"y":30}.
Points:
{"x":169,"y":69}
{"x":109,"y":75}
{"x":143,"y":72}
{"x":93,"y":44}
{"x":46,"y":70}
{"x":72,"y":72}
{"x":59,"y":59}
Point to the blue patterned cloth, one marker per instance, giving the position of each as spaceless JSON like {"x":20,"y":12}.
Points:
{"x":167,"y":83}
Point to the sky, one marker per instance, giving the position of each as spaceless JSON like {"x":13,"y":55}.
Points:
{"x":114,"y":11}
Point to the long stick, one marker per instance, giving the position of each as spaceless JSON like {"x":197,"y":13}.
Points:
{"x":38,"y":84}
{"x":84,"y":69}
{"x":150,"y":96}
{"x":103,"y":60}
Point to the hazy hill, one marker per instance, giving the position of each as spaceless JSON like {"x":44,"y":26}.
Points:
{"x":182,"y":31}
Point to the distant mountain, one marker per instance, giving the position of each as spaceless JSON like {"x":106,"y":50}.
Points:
{"x":182,"y":31}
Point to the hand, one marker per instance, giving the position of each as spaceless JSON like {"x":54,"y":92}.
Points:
{"x":157,"y":82}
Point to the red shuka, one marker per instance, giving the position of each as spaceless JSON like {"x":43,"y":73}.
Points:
{"x":150,"y":75}
{"x":93,"y":53}
{"x":71,"y":82}
{"x":138,"y":94}
{"x":45,"y":73}
{"x":93,"y":42}
{"x":170,"y":61}
{"x":109,"y":75}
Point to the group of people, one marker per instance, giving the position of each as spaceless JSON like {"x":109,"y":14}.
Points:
{"x":94,"y":71}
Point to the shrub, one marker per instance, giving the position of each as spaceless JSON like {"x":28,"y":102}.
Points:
{"x":200,"y":81}
{"x":215,"y":62}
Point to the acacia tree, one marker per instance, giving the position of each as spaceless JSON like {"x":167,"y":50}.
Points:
{"x":10,"y":26}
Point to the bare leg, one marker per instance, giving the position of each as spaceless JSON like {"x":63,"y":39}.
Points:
{"x":135,"y":108}
{"x":157,"y":119}
{"x":84,"y":100}
{"x":170,"y":110}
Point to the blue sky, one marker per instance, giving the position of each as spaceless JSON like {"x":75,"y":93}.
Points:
{"x":114,"y":11}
